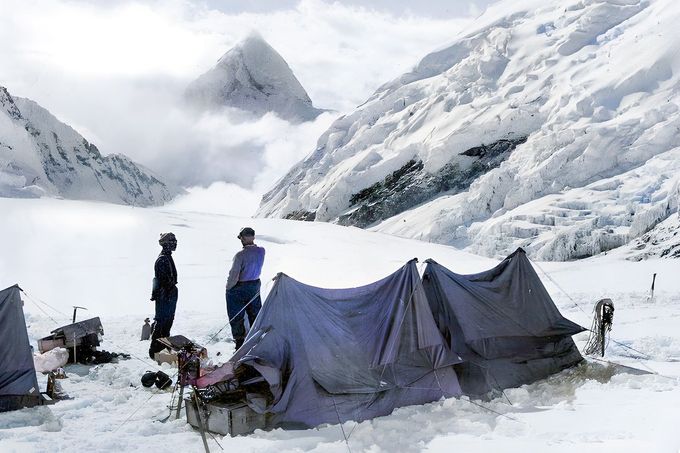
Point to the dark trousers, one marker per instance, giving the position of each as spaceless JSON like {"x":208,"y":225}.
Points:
{"x":243,"y":299}
{"x":165,"y":316}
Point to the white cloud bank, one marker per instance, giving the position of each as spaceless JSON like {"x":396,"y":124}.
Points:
{"x":115,"y":71}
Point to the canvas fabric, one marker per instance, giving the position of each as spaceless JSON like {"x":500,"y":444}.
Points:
{"x":17,"y":372}
{"x":332,"y":355}
{"x":502,"y":322}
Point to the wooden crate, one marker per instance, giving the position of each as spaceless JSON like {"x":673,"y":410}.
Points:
{"x":233,"y":419}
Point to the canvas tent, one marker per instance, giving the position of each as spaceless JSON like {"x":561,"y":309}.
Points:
{"x":503,"y":324}
{"x":332,"y":355}
{"x":18,"y":382}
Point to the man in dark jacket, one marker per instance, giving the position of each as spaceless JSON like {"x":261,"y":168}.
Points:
{"x":164,"y":292}
{"x":243,"y":285}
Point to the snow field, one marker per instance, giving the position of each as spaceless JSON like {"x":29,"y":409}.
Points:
{"x":100,"y":256}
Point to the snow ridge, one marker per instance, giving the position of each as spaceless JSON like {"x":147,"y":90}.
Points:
{"x":588,"y":89}
{"x":253,"y":77}
{"x":39,"y":155}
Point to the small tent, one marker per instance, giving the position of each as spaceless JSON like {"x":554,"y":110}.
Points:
{"x":319,"y":355}
{"x":18,"y":382}
{"x":503,"y":324}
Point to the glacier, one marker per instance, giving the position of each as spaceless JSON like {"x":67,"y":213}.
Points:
{"x":587,"y":93}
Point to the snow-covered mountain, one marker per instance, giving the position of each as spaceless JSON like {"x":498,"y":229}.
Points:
{"x":252,"y":76}
{"x":551,"y":125}
{"x":40,"y":155}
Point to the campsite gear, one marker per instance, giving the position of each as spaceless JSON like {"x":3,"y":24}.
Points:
{"x":163,"y":381}
{"x":233,"y":419}
{"x":80,"y":338}
{"x":149,"y":379}
{"x":243,"y":299}
{"x":54,"y":389}
{"x":600,"y":328}
{"x":245,"y":232}
{"x":188,"y":356}
{"x":319,"y":355}
{"x":75,"y":310}
{"x":51,"y":360}
{"x":503,"y":324}
{"x":146,"y":330}
{"x":165,"y":357}
{"x":18,"y":382}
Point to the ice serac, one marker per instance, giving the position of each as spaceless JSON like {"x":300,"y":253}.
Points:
{"x":253,"y":77}
{"x":40,"y":155}
{"x":551,"y":126}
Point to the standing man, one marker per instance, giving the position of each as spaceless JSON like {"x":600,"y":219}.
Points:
{"x":243,"y":285}
{"x":164,"y":292}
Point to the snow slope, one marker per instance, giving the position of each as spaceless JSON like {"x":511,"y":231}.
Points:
{"x":40,"y":155}
{"x":253,"y":77}
{"x":100,"y":256}
{"x":551,"y":125}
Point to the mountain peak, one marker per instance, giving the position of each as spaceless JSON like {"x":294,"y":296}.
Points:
{"x":254,"y":77}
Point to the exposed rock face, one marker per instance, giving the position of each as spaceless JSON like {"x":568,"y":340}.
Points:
{"x":253,"y":77}
{"x":39,"y":155}
{"x":412,"y":185}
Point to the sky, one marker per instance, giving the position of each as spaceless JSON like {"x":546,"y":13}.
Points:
{"x":116,"y":70}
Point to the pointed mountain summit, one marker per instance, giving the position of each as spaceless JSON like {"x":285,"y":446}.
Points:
{"x":253,"y":77}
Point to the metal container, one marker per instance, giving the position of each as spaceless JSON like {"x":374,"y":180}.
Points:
{"x":233,"y":419}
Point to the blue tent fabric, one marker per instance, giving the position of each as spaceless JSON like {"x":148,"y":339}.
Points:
{"x":503,"y":324}
{"x":18,"y":381}
{"x":332,"y":355}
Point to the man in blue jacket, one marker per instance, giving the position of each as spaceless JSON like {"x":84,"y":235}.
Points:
{"x":243,"y":285}
{"x":164,"y":292}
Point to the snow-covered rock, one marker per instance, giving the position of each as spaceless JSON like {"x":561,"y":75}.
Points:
{"x":40,"y":155}
{"x":253,"y":77}
{"x":547,"y":125}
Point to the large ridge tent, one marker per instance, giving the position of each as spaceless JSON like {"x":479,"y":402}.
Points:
{"x":503,"y":324}
{"x":18,"y":381}
{"x":332,"y":355}
{"x":319,"y":355}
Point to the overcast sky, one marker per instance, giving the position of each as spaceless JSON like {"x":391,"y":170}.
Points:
{"x":114,"y":70}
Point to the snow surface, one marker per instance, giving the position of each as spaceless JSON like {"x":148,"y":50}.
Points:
{"x":40,"y":155}
{"x":253,"y":77}
{"x":593,"y":85}
{"x":100,"y":256}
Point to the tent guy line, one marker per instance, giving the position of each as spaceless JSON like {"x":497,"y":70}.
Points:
{"x":637,"y":359}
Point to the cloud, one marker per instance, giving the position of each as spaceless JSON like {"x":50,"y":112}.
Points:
{"x":218,"y":198}
{"x":115,"y":71}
